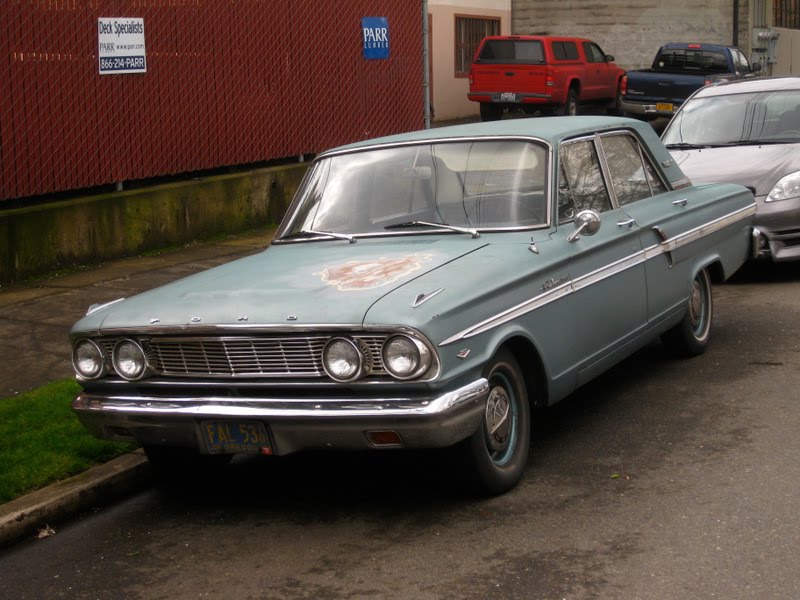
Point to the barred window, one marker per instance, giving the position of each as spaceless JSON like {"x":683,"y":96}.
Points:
{"x":786,"y":14}
{"x":469,"y":33}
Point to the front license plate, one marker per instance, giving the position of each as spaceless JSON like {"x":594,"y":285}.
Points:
{"x":508,"y":97}
{"x":235,"y":437}
{"x":664,"y":107}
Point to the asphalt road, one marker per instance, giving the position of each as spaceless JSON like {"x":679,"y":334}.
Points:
{"x":663,"y":479}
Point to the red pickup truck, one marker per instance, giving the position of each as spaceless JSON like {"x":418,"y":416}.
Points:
{"x":541,"y":73}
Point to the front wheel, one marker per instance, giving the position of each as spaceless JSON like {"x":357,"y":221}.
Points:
{"x":690,"y":336}
{"x":494,"y":457}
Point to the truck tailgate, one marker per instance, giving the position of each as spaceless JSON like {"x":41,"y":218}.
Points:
{"x":525,"y":79}
{"x":651,"y":86}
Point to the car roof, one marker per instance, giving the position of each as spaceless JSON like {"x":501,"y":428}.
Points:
{"x":552,"y":129}
{"x":552,"y":38}
{"x":744,"y":86}
{"x":693,"y":46}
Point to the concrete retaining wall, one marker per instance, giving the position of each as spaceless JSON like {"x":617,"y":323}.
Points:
{"x":43,"y":238}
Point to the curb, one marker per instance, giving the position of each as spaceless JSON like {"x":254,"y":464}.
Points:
{"x":97,"y":486}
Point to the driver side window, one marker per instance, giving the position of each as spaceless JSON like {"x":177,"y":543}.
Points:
{"x":581,"y":184}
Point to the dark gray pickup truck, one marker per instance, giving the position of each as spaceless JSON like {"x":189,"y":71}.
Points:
{"x":678,"y":70}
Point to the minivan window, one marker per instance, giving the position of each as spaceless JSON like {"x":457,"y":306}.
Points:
{"x":524,"y":52}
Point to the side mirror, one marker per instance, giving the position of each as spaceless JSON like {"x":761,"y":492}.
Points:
{"x":756,"y":67}
{"x":609,"y":58}
{"x":587,"y":222}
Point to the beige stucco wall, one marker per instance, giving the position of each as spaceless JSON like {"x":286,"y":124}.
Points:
{"x":632,"y":30}
{"x":450,"y":92}
{"x":788,"y":52}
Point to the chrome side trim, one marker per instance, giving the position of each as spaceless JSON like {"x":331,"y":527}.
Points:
{"x":667,"y":246}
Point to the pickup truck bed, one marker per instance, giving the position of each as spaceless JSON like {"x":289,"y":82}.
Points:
{"x":678,"y":70}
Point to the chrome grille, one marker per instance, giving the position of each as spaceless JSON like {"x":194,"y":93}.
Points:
{"x":267,"y":356}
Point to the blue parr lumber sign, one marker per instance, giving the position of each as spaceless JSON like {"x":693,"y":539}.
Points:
{"x":375,"y":31}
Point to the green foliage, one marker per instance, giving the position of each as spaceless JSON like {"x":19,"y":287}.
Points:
{"x":42,"y":441}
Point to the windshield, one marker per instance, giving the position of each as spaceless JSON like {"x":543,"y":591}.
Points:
{"x":476,"y":184}
{"x":768,"y":117}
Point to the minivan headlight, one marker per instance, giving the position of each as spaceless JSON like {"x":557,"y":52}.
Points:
{"x":788,"y":187}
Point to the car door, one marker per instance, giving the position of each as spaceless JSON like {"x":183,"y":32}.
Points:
{"x":609,"y":300}
{"x":599,"y":81}
{"x":658,"y":215}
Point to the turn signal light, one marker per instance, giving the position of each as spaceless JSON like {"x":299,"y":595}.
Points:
{"x":384,"y":438}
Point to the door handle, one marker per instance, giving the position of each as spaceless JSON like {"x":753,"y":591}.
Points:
{"x":626,"y":223}
{"x":681,"y":202}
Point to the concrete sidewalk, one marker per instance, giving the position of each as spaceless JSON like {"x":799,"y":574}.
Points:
{"x":35,"y":319}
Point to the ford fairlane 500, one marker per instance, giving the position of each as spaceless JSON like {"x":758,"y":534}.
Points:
{"x":424,"y":290}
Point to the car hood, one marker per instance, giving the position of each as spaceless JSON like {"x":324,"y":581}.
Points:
{"x":295,"y":284}
{"x":756,"y":167}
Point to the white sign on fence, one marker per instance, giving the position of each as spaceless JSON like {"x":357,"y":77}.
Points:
{"x":121,"y":46}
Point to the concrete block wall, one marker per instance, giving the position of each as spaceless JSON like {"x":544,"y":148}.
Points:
{"x":632,"y":30}
{"x":39,"y":239}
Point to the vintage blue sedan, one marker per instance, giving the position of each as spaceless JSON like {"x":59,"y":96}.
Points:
{"x":424,"y":290}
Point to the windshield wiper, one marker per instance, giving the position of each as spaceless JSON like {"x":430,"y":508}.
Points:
{"x":306,"y":232}
{"x":687,"y":146}
{"x":473,"y":232}
{"x":763,"y":142}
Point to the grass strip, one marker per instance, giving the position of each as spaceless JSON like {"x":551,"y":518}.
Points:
{"x":42,"y":441}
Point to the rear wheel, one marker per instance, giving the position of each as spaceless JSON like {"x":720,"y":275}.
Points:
{"x":690,"y":336}
{"x":490,"y":111}
{"x":494,"y":457}
{"x":570,"y":107}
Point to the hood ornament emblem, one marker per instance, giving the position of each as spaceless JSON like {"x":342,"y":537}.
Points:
{"x":291,"y":318}
{"x":242,"y":318}
{"x":422,"y":298}
{"x":195,"y":319}
{"x":154,"y":321}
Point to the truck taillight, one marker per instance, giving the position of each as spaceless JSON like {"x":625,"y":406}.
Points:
{"x":623,"y":86}
{"x":549,"y":80}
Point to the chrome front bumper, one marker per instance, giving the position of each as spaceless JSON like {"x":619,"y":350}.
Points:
{"x":293,"y":424}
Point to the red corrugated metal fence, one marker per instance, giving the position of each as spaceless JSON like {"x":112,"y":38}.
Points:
{"x":227,"y":83}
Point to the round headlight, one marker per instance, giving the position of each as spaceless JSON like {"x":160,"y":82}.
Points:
{"x":344,"y":360}
{"x":405,"y":357}
{"x":129,"y":360}
{"x":87,"y":360}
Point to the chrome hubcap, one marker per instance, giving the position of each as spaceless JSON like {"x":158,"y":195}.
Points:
{"x":696,"y":305}
{"x":498,"y":421}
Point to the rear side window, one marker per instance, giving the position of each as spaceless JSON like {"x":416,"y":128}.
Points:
{"x":693,"y":60}
{"x":565,"y":51}
{"x":523,"y":52}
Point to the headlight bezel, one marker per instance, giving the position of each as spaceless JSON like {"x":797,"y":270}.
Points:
{"x":145,"y":369}
{"x":103,"y":363}
{"x":424,"y":358}
{"x":363,"y":362}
